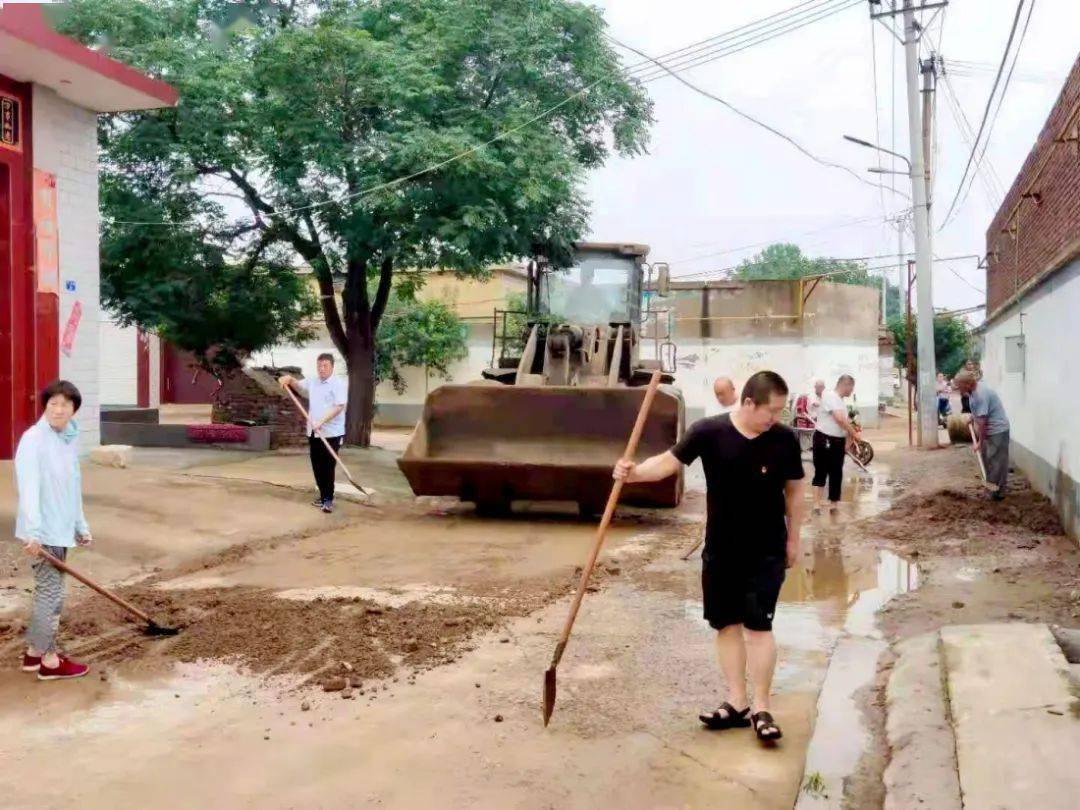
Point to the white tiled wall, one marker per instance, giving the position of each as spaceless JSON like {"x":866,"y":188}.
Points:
{"x":119,"y":363}
{"x":65,"y":144}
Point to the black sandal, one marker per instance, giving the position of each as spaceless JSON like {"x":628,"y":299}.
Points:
{"x":732,"y":718}
{"x":765,"y":727}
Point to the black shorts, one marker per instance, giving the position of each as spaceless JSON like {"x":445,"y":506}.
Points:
{"x":742,"y":592}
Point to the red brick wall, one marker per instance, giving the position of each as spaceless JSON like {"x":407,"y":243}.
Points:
{"x":254,"y":395}
{"x":1031,"y":236}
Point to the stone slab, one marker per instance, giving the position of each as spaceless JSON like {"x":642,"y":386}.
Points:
{"x":1016,"y":719}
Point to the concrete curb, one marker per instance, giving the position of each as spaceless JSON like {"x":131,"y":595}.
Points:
{"x":922,"y":769}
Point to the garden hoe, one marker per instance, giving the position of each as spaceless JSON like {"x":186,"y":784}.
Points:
{"x":609,"y":511}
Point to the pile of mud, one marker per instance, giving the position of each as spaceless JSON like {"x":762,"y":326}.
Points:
{"x":965,"y":515}
{"x":267,"y":634}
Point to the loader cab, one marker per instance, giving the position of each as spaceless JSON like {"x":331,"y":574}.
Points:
{"x":603,"y":287}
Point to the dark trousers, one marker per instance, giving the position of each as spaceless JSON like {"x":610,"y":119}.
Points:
{"x":323,"y":465}
{"x":829,"y":462}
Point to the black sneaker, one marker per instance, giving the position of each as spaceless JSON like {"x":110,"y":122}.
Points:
{"x":328,"y":506}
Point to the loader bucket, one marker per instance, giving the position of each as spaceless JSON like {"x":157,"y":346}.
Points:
{"x":493,"y":444}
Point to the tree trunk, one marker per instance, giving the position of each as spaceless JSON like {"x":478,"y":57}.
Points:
{"x":360,"y":362}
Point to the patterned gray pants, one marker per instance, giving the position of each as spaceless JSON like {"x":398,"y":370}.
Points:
{"x":48,"y":602}
{"x":995,"y":450}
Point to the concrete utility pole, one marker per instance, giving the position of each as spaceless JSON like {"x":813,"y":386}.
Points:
{"x":927,"y":366}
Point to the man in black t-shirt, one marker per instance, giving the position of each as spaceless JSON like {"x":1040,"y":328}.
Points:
{"x":753,"y":472}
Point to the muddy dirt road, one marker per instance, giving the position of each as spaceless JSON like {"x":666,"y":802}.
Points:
{"x":438,"y":624}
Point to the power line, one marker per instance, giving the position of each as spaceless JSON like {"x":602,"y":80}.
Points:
{"x":746,"y":116}
{"x":710,"y":274}
{"x":845,"y":224}
{"x":995,"y":189}
{"x":877,"y":115}
{"x":1001,"y":98}
{"x":649,"y":75}
{"x":986,"y":113}
{"x":726,"y":35}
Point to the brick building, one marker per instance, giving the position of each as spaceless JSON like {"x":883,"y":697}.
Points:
{"x":51,"y":90}
{"x":1032,"y":329}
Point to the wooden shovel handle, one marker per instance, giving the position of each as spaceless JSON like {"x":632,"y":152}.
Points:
{"x":978,"y":455}
{"x":337,"y":458}
{"x":609,"y":511}
{"x":89,"y":583}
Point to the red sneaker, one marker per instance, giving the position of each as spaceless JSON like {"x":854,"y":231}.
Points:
{"x":31,"y":663}
{"x":65,"y":669}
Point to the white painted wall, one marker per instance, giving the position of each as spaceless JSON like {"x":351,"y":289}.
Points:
{"x":701,"y":362}
{"x":119,"y":364}
{"x":1042,"y":402}
{"x":65,"y":144}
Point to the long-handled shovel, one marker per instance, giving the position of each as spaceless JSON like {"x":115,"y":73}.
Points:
{"x":978,"y":456}
{"x":609,"y":511}
{"x":152,"y":628}
{"x":337,"y":458}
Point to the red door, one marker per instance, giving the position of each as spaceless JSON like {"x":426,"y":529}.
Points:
{"x":18,"y":337}
{"x":182,"y":381}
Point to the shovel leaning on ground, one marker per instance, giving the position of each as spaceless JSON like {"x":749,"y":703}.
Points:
{"x":601,"y":531}
{"x":152,"y":628}
{"x":366,"y":492}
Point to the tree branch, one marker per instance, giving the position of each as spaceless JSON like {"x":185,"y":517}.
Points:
{"x":382,"y":294}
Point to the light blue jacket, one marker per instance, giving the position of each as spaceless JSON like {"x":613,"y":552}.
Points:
{"x":50,"y":486}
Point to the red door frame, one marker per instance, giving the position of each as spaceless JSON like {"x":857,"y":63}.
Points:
{"x":18,"y":284}
{"x":142,"y":366}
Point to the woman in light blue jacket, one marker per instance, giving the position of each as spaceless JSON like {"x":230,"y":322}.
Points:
{"x":50,"y":517}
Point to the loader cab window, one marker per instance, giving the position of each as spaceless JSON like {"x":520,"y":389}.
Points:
{"x":598,"y":290}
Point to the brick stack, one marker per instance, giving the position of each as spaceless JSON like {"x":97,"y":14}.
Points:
{"x":253,"y":395}
{"x":1037,"y":229}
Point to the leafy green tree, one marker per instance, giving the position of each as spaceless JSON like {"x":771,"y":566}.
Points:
{"x":367,"y":137}
{"x":787,"y":261}
{"x":181,"y":284}
{"x":423,"y":334}
{"x":952,"y":342}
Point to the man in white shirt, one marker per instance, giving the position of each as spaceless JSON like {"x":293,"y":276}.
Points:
{"x":832,"y":437}
{"x":724,"y":391}
{"x":327,"y":397}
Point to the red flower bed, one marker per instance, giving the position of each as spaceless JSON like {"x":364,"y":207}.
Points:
{"x":217,"y":434}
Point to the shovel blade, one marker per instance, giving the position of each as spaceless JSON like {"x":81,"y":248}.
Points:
{"x":549,"y":695}
{"x":153,"y":629}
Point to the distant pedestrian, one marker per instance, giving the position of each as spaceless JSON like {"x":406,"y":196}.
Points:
{"x":50,"y":517}
{"x":753,"y":472}
{"x":833,"y":437}
{"x":724,"y":391}
{"x":327,"y":397}
{"x":991,"y":430}
{"x":942,"y":396}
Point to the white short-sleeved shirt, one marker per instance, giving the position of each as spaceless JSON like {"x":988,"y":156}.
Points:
{"x":826,"y":423}
{"x":324,"y":396}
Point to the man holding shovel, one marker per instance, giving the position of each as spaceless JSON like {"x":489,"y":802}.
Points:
{"x":50,"y":518}
{"x":327,"y":397}
{"x":753,"y":471}
{"x":991,"y":429}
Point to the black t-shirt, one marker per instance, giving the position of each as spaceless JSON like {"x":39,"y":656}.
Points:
{"x":746,"y":480}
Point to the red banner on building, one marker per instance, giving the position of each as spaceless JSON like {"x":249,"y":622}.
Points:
{"x":67,"y":342}
{"x":46,"y":233}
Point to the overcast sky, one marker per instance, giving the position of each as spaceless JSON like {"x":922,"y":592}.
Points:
{"x":713,"y":182}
